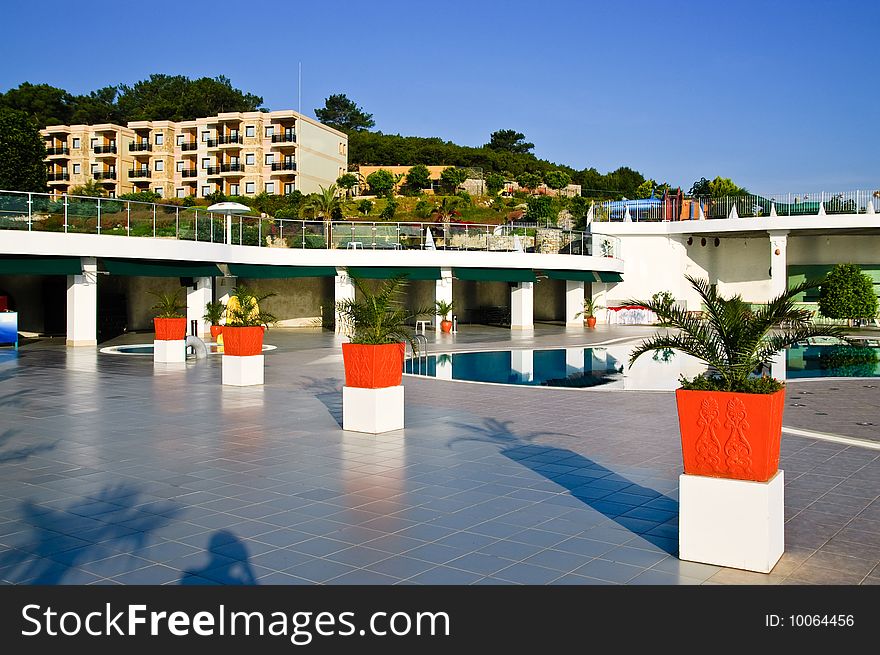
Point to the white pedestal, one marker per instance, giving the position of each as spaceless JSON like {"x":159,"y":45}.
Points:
{"x":242,"y":371}
{"x":372,"y":410}
{"x":169,"y":352}
{"x":731,"y":522}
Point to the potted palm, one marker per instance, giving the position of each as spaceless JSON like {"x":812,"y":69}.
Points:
{"x":169,"y":322}
{"x":590,"y":308}
{"x":213,"y":315}
{"x":246,"y":322}
{"x":443,"y":310}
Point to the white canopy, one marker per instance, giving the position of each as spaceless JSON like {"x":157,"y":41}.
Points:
{"x":229,"y":208}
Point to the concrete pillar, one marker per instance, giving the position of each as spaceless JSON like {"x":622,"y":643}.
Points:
{"x":228,"y":229}
{"x":82,"y":305}
{"x":522,"y":306}
{"x":343,"y":290}
{"x":574,"y":302}
{"x":443,"y":291}
{"x":196,"y":299}
{"x":778,"y":261}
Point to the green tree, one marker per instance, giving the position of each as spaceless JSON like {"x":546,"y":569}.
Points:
{"x":494,"y":183}
{"x":847,"y":293}
{"x":540,"y":208}
{"x":418,"y":177}
{"x":22,"y":150}
{"x":177,"y":98}
{"x":381,"y":182}
{"x":97,"y":107}
{"x":645,"y":189}
{"x":509,"y":141}
{"x":451,"y":178}
{"x":343,"y":114}
{"x":529,"y":180}
{"x":347,"y":181}
{"x":389,"y":210}
{"x":365,"y":206}
{"x":724,"y":186}
{"x":557,"y":180}
{"x":47,"y":105}
{"x":323,"y":204}
{"x":700,"y":188}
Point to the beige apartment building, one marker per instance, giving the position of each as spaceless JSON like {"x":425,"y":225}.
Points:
{"x":235,"y":153}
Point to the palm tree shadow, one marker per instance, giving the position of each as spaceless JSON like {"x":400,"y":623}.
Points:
{"x":23,"y":453}
{"x":643,"y":511}
{"x":114,"y":520}
{"x":228,"y":563}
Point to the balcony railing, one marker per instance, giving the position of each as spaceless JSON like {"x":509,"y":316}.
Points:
{"x":212,"y":170}
{"x":139,"y":172}
{"x":284,"y":166}
{"x":105,"y":175}
{"x":139,"y":147}
{"x":58,"y":177}
{"x":104,"y":150}
{"x":58,"y":150}
{"x":232,"y":168}
{"x":189,"y":172}
{"x":189,"y":145}
{"x":224,"y":140}
{"x":287,"y":137}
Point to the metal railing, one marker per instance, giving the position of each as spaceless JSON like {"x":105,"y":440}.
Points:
{"x":139,"y":172}
{"x":224,"y":140}
{"x":39,"y":212}
{"x":139,"y":147}
{"x":105,"y":175}
{"x":232,"y":168}
{"x":57,"y":177}
{"x":104,"y":150}
{"x":189,"y":145}
{"x":58,"y":150}
{"x":741,"y":206}
{"x":287,"y":137}
{"x":189,"y":172}
{"x":284,"y":166}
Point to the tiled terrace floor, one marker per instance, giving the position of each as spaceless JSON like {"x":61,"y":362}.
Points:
{"x":112,"y":471}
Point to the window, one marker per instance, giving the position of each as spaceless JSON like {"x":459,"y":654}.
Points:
{"x":76,"y":142}
{"x":76,"y":169}
{"x":289,"y":187}
{"x":249,"y":158}
{"x":178,"y":166}
{"x":160,"y":139}
{"x":206,"y":135}
{"x":111,"y":193}
{"x":249,"y":187}
{"x":233,"y":189}
{"x":181,"y":139}
{"x":94,"y":168}
{"x":94,"y":143}
{"x":250,"y":130}
{"x":270,"y":131}
{"x":341,"y":147}
{"x":180,"y":193}
{"x":206,"y":162}
{"x":158,"y":191}
{"x":158,"y":165}
{"x":206,"y":191}
{"x":270,"y":159}
{"x":270,"y":187}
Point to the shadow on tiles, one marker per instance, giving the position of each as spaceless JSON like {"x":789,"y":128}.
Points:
{"x":228,"y":563}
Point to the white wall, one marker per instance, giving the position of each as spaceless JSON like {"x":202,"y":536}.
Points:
{"x":318,"y":159}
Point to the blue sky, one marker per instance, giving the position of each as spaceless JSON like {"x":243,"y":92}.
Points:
{"x":780,"y":96}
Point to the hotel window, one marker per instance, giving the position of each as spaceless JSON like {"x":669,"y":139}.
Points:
{"x":178,"y":166}
{"x":270,"y":131}
{"x":206,"y":191}
{"x":233,"y":189}
{"x":341,"y":148}
{"x":160,"y":139}
{"x":94,"y":168}
{"x":249,"y":158}
{"x":158,"y":191}
{"x":206,"y":162}
{"x":289,"y":187}
{"x":206,"y":135}
{"x":249,"y":187}
{"x":94,"y":143}
{"x":250,"y":130}
{"x":111,"y":193}
{"x":76,"y":142}
{"x":180,"y":193}
{"x":270,"y":159}
{"x":181,"y":139}
{"x":159,"y":165}
{"x":270,"y":187}
{"x":76,"y":169}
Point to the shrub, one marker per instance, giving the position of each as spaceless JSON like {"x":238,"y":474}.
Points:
{"x":389,"y":210}
{"x":847,"y":293}
{"x":365,"y":206}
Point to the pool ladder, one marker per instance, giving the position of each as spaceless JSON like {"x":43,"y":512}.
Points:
{"x":419,"y":358}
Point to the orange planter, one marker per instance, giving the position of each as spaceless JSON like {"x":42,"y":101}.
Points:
{"x":170,"y":329}
{"x":730,"y":435}
{"x":590,"y":321}
{"x":373,"y":367}
{"x":242,"y":341}
{"x":216,"y":330}
{"x":445,"y":326}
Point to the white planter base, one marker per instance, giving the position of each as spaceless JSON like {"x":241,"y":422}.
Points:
{"x":731,"y":523}
{"x":372,"y":410}
{"x":242,"y":371}
{"x":169,"y":352}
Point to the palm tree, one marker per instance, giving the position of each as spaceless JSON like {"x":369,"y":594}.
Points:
{"x":323,"y":204}
{"x":732,"y":339}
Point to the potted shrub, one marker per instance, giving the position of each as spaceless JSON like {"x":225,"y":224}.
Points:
{"x":377,"y":326}
{"x":443,"y":310}
{"x":590,"y":307}
{"x":213,"y":315}
{"x":730,"y":420}
{"x":245,"y":322}
{"x":170,"y":321}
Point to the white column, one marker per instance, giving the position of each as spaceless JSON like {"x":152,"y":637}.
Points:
{"x":228,"y":229}
{"x":522,"y":306}
{"x":343,"y":290}
{"x":574,"y":360}
{"x":443,"y":291}
{"x":574,"y":302}
{"x":82,"y":305}
{"x":778,"y":261}
{"x":196,"y":300}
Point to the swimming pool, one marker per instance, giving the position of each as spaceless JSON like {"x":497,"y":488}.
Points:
{"x":606,"y":367}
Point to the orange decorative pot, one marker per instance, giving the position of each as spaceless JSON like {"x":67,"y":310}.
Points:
{"x":216,"y":330}
{"x":445,"y":326}
{"x":170,"y":329}
{"x":590,"y":321}
{"x":373,"y":367}
{"x":729,"y":434}
{"x":242,"y":341}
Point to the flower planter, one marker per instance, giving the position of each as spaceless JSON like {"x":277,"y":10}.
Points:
{"x":242,"y":341}
{"x":590,"y":321}
{"x":170,"y":329}
{"x":372,"y":366}
{"x":445,"y":326}
{"x":729,"y":434}
{"x":215,"y":331}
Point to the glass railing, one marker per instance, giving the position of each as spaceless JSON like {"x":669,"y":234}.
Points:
{"x":105,"y":175}
{"x":231,"y":168}
{"x":139,"y":147}
{"x":58,"y":150}
{"x":104,"y":150}
{"x":189,"y":172}
{"x":284,"y":166}
{"x":288,"y":137}
{"x":139,"y":172}
{"x":57,"y":177}
{"x":189,"y":145}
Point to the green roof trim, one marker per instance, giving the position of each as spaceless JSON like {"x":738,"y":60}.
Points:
{"x":263,"y":271}
{"x":139,"y":267}
{"x":40,"y":266}
{"x":384,"y":272}
{"x":495,"y":274}
{"x":575,"y":276}
{"x":610,"y":277}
